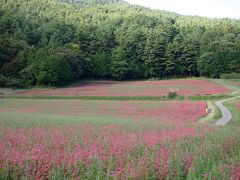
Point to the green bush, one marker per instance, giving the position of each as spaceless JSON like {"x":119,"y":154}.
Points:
{"x":53,"y":71}
{"x":46,"y":69}
{"x":230,"y":76}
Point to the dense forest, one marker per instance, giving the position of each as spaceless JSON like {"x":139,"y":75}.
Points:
{"x":53,"y":42}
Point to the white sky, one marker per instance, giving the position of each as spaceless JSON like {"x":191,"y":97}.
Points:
{"x":207,"y":8}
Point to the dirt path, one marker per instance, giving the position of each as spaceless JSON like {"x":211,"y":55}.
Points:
{"x":226,"y":115}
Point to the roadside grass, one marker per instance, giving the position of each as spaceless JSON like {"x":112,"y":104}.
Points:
{"x":210,"y":97}
{"x":214,"y":115}
{"x":235,"y":113}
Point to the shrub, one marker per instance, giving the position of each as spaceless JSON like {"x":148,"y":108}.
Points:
{"x":172,"y":93}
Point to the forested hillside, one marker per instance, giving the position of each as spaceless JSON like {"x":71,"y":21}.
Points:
{"x":53,"y":42}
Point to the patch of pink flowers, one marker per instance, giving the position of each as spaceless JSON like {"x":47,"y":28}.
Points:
{"x":172,"y":113}
{"x":113,"y":150}
{"x":37,"y":152}
{"x":184,"y":87}
{"x":235,"y":172}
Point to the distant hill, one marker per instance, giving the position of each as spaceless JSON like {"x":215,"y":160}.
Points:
{"x":87,"y":2}
{"x":53,"y":42}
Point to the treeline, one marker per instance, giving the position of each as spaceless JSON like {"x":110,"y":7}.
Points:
{"x":50,"y":42}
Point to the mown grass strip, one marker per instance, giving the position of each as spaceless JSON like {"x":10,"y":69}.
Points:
{"x":122,"y":98}
{"x":131,"y":98}
{"x":210,"y":97}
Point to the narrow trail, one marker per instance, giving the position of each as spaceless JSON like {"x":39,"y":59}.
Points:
{"x":226,"y":115}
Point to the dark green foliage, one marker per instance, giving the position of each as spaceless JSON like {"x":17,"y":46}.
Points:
{"x":155,"y":55}
{"x":119,"y":69}
{"x":10,"y":82}
{"x":53,"y":70}
{"x":11,"y":69}
{"x":46,"y":68}
{"x":52,"y":42}
{"x":3,"y":80}
{"x":101,"y":65}
{"x":207,"y":65}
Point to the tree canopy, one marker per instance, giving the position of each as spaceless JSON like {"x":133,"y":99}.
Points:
{"x":53,"y":42}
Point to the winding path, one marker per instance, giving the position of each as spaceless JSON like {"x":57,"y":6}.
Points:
{"x":226,"y":115}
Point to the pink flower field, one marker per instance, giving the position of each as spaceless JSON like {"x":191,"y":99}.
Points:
{"x":159,"y":112}
{"x":184,"y":87}
{"x":82,"y":139}
{"x":78,"y":151}
{"x":114,"y":149}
